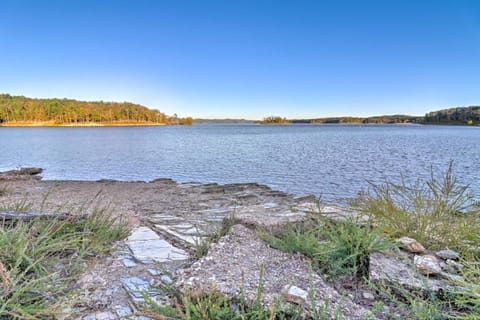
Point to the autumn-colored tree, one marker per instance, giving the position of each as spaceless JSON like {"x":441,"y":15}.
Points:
{"x":68,"y":111}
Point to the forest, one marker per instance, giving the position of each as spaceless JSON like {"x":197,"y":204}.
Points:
{"x":19,"y":109}
{"x":465,"y":115}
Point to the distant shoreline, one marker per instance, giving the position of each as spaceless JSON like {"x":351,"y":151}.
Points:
{"x":86,"y":124}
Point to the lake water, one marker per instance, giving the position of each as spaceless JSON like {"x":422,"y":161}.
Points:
{"x":334,"y":161}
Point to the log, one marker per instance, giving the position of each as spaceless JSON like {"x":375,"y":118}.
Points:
{"x":11,"y":216}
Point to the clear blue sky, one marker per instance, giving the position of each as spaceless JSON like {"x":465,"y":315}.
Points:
{"x":246,"y":59}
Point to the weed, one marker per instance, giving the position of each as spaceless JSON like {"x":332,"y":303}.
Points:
{"x":4,"y":189}
{"x":412,"y":304}
{"x":214,"y":305}
{"x":202,"y":244}
{"x":335,"y":248}
{"x":468,"y":301}
{"x":20,"y":206}
{"x":321,"y":312}
{"x":439,"y":212}
{"x":41,"y":257}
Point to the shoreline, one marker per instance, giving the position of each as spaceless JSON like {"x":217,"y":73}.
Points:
{"x":196,"y":235}
{"x":79,"y":125}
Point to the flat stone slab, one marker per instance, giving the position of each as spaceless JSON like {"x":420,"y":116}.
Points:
{"x":147,"y":246}
{"x":389,"y":269}
{"x":190,"y":236}
{"x":236,"y":262}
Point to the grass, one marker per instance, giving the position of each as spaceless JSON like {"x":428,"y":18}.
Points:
{"x":213,"y":305}
{"x":39,"y":259}
{"x":201,"y":246}
{"x":439,"y":213}
{"x":20,"y":206}
{"x":334,"y":248}
{"x":4,"y":190}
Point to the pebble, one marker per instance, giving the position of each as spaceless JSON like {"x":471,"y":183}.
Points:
{"x":427,"y":264}
{"x":368,"y":295}
{"x":122,"y":311}
{"x":128,"y":263}
{"x":166,"y":279}
{"x":447,"y":254}
{"x":449,"y":276}
{"x":295,"y":294}
{"x":411,"y":245}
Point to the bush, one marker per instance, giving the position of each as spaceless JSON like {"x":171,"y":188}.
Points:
{"x":335,"y":248}
{"x":439,"y":212}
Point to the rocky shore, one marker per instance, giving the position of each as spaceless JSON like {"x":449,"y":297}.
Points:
{"x":168,"y":223}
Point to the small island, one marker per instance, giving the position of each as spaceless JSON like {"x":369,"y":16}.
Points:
{"x":274,"y":120}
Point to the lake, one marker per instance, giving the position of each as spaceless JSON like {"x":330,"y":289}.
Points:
{"x":334,"y":161}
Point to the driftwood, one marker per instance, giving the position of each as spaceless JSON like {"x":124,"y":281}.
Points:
{"x":11,"y":216}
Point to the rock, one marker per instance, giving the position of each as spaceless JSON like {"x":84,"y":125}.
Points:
{"x":451,"y":277}
{"x":166,"y":279}
{"x":24,"y":172}
{"x":21,"y":174}
{"x":452,"y":266}
{"x":184,"y":232}
{"x":410,"y":245}
{"x":447,"y":254}
{"x":128,"y":263}
{"x":271,"y":218}
{"x":240,"y":261}
{"x":105,"y":316}
{"x":368,"y":295}
{"x":295,"y":295}
{"x":153,"y":272}
{"x":137,"y":288}
{"x":123,"y":311}
{"x":396,"y":268}
{"x":427,"y":265}
{"x":147,"y":247}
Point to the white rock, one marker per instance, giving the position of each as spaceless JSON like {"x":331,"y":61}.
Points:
{"x":411,"y":245}
{"x":295,"y":294}
{"x":368,"y":295}
{"x":447,"y":254}
{"x":427,"y":265}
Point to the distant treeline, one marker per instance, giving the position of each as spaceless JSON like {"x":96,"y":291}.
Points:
{"x":221,"y":121}
{"x":454,"y":116}
{"x":466,"y":115}
{"x":20,"y":109}
{"x":360,"y":120}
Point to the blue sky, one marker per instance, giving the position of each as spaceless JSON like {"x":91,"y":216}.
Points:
{"x":246,"y":59}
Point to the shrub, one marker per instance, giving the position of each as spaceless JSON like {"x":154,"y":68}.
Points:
{"x":335,"y":248}
{"x":439,"y":212}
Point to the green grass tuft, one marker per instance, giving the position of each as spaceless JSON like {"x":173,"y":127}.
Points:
{"x":335,"y":248}
{"x":39,"y":259}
